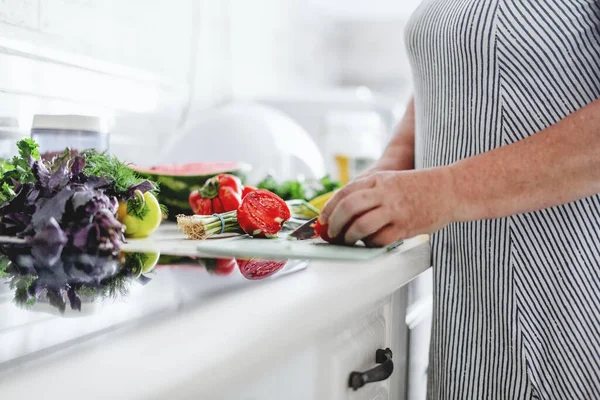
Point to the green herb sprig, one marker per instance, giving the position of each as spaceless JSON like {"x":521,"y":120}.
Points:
{"x":121,"y":176}
{"x":18,"y":168}
{"x":303,"y":189}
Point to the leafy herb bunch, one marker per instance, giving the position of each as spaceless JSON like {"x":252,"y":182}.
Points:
{"x":67,"y":202}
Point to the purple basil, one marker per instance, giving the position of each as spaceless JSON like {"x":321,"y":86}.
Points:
{"x":40,"y":172}
{"x":145,"y":186}
{"x":65,"y":209}
{"x":16,"y":215}
{"x":48,"y":242}
{"x":77,"y":167}
{"x":74,"y":300}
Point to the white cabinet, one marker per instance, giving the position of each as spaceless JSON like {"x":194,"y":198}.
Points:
{"x":321,"y":368}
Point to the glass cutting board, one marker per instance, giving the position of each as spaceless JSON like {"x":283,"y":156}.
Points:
{"x":314,"y":249}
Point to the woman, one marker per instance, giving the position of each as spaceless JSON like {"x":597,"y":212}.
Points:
{"x":504,"y":132}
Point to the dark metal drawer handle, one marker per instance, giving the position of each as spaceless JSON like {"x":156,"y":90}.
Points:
{"x":379,"y":373}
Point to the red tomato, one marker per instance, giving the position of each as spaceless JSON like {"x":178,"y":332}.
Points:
{"x":247,"y":190}
{"x":262,"y":213}
{"x":321,"y":231}
{"x":256,"y":269}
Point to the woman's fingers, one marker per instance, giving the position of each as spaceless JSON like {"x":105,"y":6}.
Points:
{"x":349,"y":208}
{"x":366,"y":225}
{"x":384,"y":237}
{"x":344,"y":192}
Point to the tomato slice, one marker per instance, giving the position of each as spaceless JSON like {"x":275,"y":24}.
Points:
{"x":262,"y":213}
{"x":256,"y":269}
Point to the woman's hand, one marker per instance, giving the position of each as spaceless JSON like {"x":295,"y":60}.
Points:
{"x":555,"y":166}
{"x":384,"y":207}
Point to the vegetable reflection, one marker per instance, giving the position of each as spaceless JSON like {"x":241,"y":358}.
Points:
{"x":71,"y":279}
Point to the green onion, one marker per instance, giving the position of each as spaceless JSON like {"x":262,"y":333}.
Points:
{"x":200,"y":227}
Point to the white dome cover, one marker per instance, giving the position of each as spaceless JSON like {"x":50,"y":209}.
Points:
{"x":268,"y":140}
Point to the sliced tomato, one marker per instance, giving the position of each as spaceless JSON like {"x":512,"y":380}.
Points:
{"x":262,"y":213}
{"x":256,"y":269}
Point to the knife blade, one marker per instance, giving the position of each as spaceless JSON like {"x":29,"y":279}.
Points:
{"x":305,"y":231}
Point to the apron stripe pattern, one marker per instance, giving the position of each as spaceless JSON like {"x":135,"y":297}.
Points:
{"x":516,"y":300}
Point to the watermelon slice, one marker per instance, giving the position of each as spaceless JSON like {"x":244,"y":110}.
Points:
{"x":177,"y":181}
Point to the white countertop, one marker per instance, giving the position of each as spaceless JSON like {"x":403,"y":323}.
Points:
{"x":230,"y":333}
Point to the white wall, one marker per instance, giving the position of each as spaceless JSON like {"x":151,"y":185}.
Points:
{"x":278,"y":46}
{"x":370,"y":42}
{"x":150,"y":65}
{"x":106,"y":57}
{"x":366,"y":10}
{"x":146,"y":64}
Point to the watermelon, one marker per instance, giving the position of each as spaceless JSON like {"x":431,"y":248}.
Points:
{"x":177,"y":181}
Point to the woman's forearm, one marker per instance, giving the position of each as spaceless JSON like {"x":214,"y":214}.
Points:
{"x":558,"y":165}
{"x":399,"y":154}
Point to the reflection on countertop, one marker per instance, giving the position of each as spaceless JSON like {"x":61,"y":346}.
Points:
{"x":50,"y":306}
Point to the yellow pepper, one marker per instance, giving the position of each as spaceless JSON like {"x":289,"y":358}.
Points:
{"x":141,"y":215}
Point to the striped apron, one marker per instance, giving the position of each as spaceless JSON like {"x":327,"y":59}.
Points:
{"x":516,"y":300}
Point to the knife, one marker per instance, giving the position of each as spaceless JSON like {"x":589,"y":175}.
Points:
{"x":305,"y":231}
